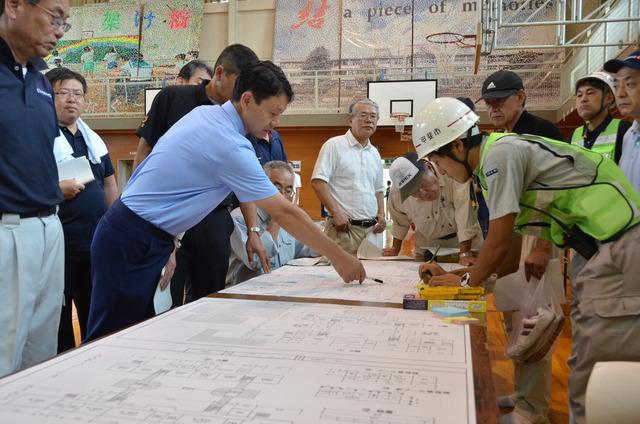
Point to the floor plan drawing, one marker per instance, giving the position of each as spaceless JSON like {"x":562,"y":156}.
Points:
{"x":228,"y":361}
{"x":399,"y":279}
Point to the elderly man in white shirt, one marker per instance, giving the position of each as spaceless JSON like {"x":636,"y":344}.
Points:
{"x":280,"y":246}
{"x":439,"y":207}
{"x":348,"y":180}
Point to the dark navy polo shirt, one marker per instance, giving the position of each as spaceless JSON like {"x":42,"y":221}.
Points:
{"x":266,"y":151}
{"x":81,"y":214}
{"x":169,"y":106}
{"x":534,"y":125}
{"x":28,"y":126}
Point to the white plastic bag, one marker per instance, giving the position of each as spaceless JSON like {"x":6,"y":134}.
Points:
{"x":537,"y":324}
{"x":510,"y":290}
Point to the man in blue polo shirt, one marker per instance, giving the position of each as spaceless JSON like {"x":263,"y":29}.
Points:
{"x":31,"y":240}
{"x":269,"y":147}
{"x":173,"y":189}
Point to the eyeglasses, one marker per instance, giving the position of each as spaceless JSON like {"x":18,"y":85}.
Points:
{"x":57,"y":21}
{"x":67,"y":93}
{"x":287,"y":192}
{"x":365,"y":115}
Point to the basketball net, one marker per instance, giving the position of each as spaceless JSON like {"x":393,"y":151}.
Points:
{"x":398,"y":119}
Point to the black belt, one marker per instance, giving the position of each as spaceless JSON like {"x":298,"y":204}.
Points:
{"x":448,"y":236}
{"x":37,"y":214}
{"x":363,"y":222}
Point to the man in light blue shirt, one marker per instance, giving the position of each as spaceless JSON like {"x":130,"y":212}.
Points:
{"x":280,"y":246}
{"x":627,"y":83}
{"x":194,"y":166}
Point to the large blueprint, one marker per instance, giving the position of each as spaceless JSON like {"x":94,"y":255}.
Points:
{"x":228,"y":361}
{"x":400,"y":278}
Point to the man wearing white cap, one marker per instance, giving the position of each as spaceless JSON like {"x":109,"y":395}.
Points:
{"x":562,"y":193}
{"x":439,"y":207}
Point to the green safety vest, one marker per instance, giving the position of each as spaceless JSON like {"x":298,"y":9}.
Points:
{"x":605,"y":143}
{"x":602,"y":203}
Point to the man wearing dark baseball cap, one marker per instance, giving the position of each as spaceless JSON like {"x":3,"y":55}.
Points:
{"x":631,"y":61}
{"x":627,"y":87}
{"x":504,"y":95}
{"x":501,"y":84}
{"x":439,"y":207}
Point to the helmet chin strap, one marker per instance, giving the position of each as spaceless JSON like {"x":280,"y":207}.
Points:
{"x":464,"y":162}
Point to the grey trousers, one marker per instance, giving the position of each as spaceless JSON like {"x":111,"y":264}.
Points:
{"x":31,"y":290}
{"x":532,"y":382}
{"x":605,"y":313}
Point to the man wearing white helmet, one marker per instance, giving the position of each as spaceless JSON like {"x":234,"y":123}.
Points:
{"x":439,"y":207}
{"x":562,"y":193}
{"x":504,"y":95}
{"x":601,"y":132}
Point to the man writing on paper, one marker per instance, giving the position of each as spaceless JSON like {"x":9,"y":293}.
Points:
{"x":439,"y":207}
{"x":280,"y":246}
{"x":84,"y":204}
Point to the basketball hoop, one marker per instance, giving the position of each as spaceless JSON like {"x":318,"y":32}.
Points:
{"x":398,"y":120}
{"x":443,"y":39}
{"x":460,"y":40}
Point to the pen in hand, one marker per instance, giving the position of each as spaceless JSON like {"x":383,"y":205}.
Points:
{"x":377,"y":280}
{"x":430,"y":261}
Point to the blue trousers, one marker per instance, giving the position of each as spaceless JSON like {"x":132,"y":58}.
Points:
{"x":127,"y":256}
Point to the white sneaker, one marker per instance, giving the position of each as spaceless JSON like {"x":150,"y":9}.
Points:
{"x":536,"y":337}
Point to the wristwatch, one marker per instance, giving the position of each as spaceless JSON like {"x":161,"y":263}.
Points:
{"x":464,"y":281}
{"x":254,"y":230}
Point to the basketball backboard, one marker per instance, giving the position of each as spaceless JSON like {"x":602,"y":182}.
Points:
{"x":149,"y":95}
{"x":401,"y":96}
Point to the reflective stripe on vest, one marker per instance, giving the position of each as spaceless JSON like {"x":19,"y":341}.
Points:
{"x":605,"y":143}
{"x":599,"y":200}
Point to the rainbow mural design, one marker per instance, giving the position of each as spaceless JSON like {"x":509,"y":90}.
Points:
{"x":71,"y":50}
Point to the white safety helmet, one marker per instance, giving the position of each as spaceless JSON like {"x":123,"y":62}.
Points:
{"x":600,"y":76}
{"x":440,"y":122}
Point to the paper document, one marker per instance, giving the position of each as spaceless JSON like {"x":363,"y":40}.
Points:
{"x":443,"y":251}
{"x":247,"y":361}
{"x":371,"y":249}
{"x":399,"y":279}
{"x":308,"y":261}
{"x":77,"y":168}
{"x":162,"y":298}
